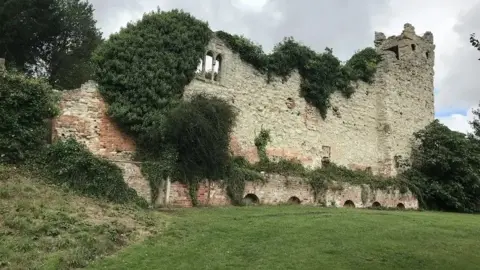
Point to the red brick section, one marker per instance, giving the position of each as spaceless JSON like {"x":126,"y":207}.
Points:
{"x":111,"y":138}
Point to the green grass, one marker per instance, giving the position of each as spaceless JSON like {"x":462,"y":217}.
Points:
{"x":46,"y":227}
{"x":287,"y":237}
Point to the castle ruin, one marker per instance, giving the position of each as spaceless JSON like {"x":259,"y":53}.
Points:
{"x":371,"y":130}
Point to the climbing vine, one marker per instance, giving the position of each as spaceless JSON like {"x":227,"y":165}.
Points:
{"x":322,"y":73}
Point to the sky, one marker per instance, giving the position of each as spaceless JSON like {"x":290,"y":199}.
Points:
{"x":345,"y":26}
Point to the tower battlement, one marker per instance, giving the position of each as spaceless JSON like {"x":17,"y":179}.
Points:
{"x":407,"y":46}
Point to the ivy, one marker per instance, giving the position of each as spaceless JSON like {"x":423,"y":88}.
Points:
{"x":240,"y":172}
{"x":143,"y":69}
{"x":69,"y":163}
{"x":322,"y":73}
{"x":25,"y":104}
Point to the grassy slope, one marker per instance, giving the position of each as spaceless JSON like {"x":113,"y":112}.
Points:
{"x":307,"y":238}
{"x":45,"y":227}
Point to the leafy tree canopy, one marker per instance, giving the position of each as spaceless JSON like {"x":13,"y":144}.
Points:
{"x":50,"y":38}
{"x":446,"y":169}
{"x":143,"y":69}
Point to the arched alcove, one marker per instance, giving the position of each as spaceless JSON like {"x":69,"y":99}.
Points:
{"x":294,"y":200}
{"x":251,"y":199}
{"x":401,"y":206}
{"x":376,"y":205}
{"x":349,"y":204}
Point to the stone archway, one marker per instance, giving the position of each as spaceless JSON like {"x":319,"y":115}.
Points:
{"x":400,"y":206}
{"x":376,"y":205}
{"x":349,"y":204}
{"x":294,"y":200}
{"x":251,"y":199}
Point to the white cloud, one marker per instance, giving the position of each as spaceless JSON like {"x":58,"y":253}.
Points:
{"x":459,"y":122}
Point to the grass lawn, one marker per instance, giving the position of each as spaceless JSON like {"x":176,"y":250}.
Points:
{"x":296,"y":237}
{"x":47,"y":227}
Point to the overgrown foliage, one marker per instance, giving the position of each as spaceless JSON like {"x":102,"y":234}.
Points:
{"x":142,"y":72}
{"x":199,"y":133}
{"x":25,"y":104}
{"x":50,"y":38}
{"x":143,"y":69}
{"x":240,"y":172}
{"x":69,"y":163}
{"x":322,"y":73}
{"x":446,"y":169}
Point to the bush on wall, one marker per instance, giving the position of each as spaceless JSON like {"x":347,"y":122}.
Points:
{"x":69,"y":163}
{"x":25,"y":104}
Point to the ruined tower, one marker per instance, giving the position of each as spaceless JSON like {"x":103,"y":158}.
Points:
{"x":405,"y":102}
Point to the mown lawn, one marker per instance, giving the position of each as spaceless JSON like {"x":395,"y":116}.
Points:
{"x":289,"y":237}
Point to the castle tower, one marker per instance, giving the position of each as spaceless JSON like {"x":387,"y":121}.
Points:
{"x":405,"y":102}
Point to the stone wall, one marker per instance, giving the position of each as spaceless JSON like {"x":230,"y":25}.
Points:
{"x":279,"y":189}
{"x":83,"y":117}
{"x":368,"y":130}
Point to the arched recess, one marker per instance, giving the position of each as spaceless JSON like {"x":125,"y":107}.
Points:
{"x":294,"y":200}
{"x":209,"y":65}
{"x":218,"y":68}
{"x":251,"y":199}
{"x":376,"y":205}
{"x":401,"y":206}
{"x":349,"y":204}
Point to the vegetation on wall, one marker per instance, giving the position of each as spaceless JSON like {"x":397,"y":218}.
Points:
{"x":70,"y":164}
{"x":143,"y":69}
{"x":329,"y":176}
{"x":322,"y":73}
{"x":25,"y":104}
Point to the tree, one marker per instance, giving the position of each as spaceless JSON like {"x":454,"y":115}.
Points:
{"x":50,"y":38}
{"x":446,"y":169}
{"x":474,"y":41}
{"x":25,"y":25}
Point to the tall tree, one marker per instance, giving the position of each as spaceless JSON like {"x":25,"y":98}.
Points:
{"x":50,"y":38}
{"x":24,"y":26}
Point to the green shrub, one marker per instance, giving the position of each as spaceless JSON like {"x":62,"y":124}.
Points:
{"x":25,"y":104}
{"x":69,"y":163}
{"x":446,"y":169}
{"x":143,"y":70}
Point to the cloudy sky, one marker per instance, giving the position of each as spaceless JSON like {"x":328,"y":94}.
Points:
{"x":345,"y":26}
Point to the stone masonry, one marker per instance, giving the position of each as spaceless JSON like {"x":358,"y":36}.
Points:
{"x":371,"y":130}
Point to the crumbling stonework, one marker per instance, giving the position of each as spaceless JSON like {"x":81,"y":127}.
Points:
{"x":367,"y":130}
{"x":279,"y":189}
{"x":371,"y":130}
{"x":83,"y":117}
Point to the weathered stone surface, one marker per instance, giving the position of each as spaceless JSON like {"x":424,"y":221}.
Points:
{"x":280,"y":189}
{"x":369,"y":131}
{"x":83,"y":117}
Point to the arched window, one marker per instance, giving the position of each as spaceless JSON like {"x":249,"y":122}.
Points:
{"x":209,"y":65}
